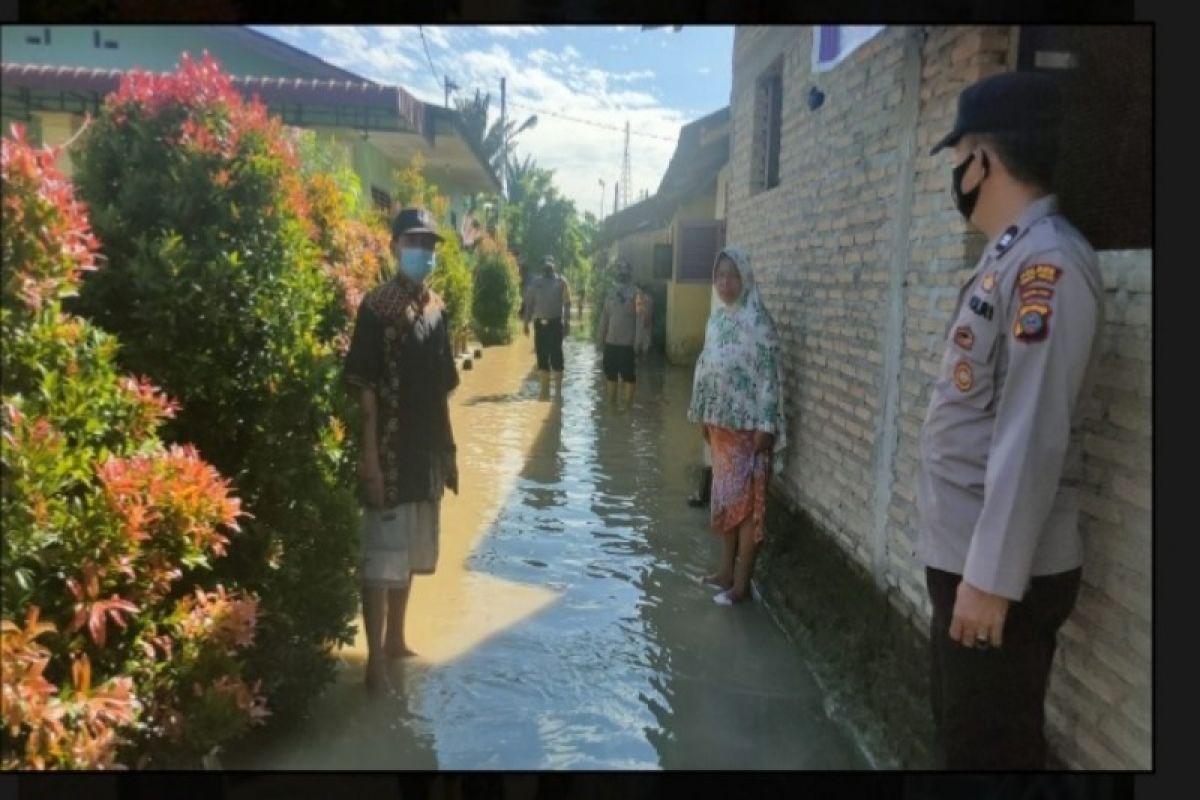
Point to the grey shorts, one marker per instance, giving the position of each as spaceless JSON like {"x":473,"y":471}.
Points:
{"x":398,"y":543}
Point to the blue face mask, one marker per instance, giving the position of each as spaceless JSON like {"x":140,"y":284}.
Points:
{"x":416,"y":264}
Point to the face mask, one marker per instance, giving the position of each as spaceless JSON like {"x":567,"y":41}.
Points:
{"x":965,"y":202}
{"x":415,"y":263}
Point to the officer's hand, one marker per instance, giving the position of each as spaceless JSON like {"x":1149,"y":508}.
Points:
{"x":978,"y":615}
{"x":704,"y":433}
{"x":763,"y":442}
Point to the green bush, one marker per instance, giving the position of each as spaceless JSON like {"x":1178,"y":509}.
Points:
{"x":217,"y":291}
{"x":452,"y":280}
{"x":451,"y":277}
{"x":602,"y":279}
{"x":109,"y":618}
{"x":497,"y":293}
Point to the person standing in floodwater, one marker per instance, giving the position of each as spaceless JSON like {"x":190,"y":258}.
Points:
{"x":400,"y":359}
{"x":737,"y":397}
{"x":548,"y":307}
{"x":618,"y":333}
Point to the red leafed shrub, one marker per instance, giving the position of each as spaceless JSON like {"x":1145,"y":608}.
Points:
{"x":109,"y":537}
{"x":226,"y":281}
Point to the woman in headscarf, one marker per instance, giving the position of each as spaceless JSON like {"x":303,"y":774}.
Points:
{"x":737,"y":397}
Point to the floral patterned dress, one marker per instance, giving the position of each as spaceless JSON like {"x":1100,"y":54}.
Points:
{"x":737,"y":390}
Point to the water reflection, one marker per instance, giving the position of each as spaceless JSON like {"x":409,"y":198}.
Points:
{"x":621,"y":660}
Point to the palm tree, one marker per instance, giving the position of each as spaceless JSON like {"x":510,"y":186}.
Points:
{"x":518,"y":174}
{"x":489,"y":140}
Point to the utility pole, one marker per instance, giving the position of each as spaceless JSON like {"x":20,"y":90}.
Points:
{"x":602,"y":198}
{"x":450,"y":86}
{"x":504,"y":140}
{"x":616,"y":195}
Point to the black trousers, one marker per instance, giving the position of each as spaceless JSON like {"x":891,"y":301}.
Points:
{"x":989,"y":704}
{"x":619,"y":362}
{"x":548,"y":340}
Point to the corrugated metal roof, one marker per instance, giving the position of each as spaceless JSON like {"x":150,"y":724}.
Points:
{"x":272,"y":91}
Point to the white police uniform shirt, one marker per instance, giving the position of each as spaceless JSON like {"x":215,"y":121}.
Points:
{"x":1000,"y":457}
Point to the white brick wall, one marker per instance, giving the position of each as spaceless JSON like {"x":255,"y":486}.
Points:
{"x":822,"y":248}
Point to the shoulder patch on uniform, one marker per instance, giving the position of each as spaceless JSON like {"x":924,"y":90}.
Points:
{"x":1039,"y":273}
{"x":1034,"y":293}
{"x":1006,"y":240}
{"x":964,"y":337}
{"x":1033,"y":322}
{"x":964,"y":376}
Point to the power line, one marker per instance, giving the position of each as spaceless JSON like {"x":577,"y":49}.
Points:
{"x":427,"y":58}
{"x":589,"y":122}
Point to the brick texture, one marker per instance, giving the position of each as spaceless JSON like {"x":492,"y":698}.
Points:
{"x":822,"y":246}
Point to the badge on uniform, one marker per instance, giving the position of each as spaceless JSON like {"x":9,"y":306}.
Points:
{"x":964,"y":376}
{"x":1006,"y":240}
{"x":1039,"y":273}
{"x":1033,"y":322}
{"x":1032,"y":294}
{"x":964,"y":337}
{"x":981,"y":307}
{"x":989,"y":282}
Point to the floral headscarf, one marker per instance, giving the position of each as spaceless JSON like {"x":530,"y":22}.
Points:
{"x":739,"y":376}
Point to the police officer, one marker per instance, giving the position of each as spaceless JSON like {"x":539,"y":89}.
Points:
{"x":548,"y":306}
{"x":619,"y":330}
{"x":1000,"y":451}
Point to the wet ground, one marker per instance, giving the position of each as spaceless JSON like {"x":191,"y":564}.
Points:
{"x":566,"y":627}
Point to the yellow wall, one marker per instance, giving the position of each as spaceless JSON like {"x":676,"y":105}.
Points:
{"x":57,"y":129}
{"x":688,"y":304}
{"x":687,"y":314}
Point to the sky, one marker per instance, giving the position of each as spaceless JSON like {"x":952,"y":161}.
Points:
{"x":657,"y":80}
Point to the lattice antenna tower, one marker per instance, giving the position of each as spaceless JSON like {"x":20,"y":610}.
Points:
{"x":625,"y":170}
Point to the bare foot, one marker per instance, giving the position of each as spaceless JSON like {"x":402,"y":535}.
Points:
{"x":719,"y":581}
{"x":398,"y":651}
{"x":377,"y":679}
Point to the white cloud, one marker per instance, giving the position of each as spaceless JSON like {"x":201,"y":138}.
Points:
{"x":632,"y":76}
{"x":705,"y":70}
{"x":440,"y":36}
{"x":347,"y":39}
{"x":513,"y":31}
{"x":388,"y":61}
{"x":555,"y":85}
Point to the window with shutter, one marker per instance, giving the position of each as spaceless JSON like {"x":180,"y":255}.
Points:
{"x":768,"y":118}
{"x":698,"y":245}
